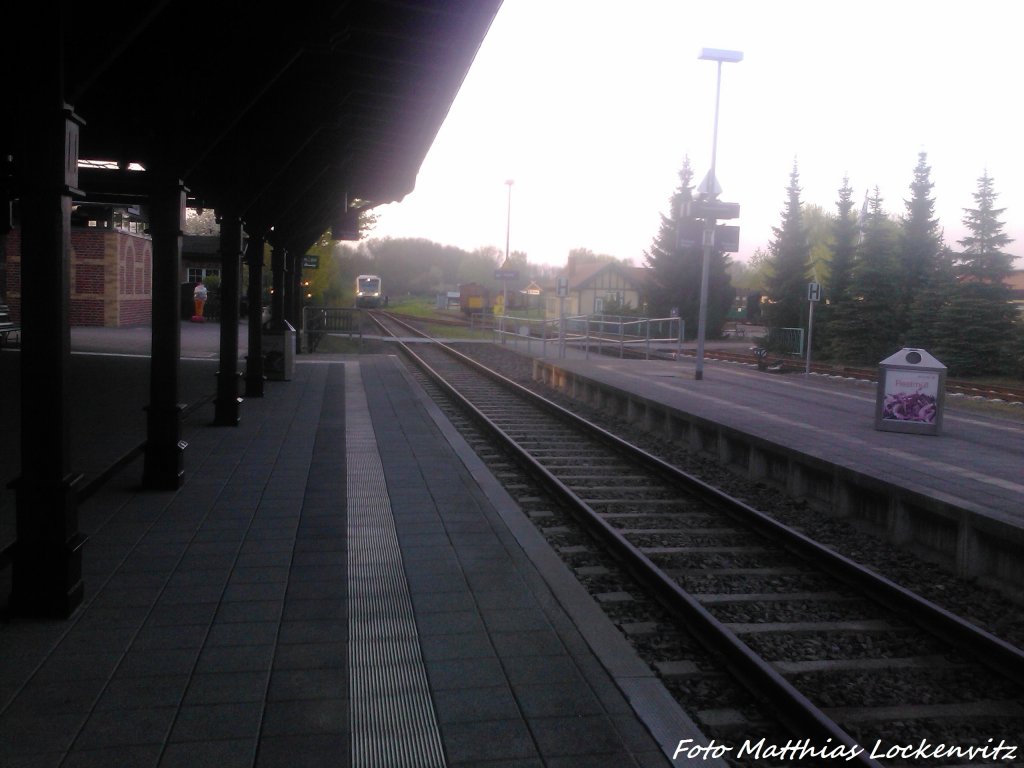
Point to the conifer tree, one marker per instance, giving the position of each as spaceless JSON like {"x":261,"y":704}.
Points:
{"x":676,"y":266}
{"x":974,"y":328}
{"x":920,"y":242}
{"x":864,"y":326}
{"x":983,"y":257}
{"x":790,"y":256}
{"x":922,"y":331}
{"x":845,"y":234}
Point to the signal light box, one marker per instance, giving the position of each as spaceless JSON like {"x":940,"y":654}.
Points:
{"x":690,"y":233}
{"x":711,"y":209}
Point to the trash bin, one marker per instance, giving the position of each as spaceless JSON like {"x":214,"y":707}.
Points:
{"x":911,"y":393}
{"x":278,"y":352}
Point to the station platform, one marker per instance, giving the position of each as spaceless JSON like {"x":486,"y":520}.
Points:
{"x":976,"y":459}
{"x":338,"y":582}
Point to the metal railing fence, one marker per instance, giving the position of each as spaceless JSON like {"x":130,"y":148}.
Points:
{"x":600,"y":333}
{"x":789,"y":341}
{"x":318,"y":322}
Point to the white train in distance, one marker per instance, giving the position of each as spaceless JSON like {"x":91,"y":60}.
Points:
{"x":369,"y":291}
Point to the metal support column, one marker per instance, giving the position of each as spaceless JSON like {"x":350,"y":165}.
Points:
{"x":254,"y":358}
{"x":277,"y":297}
{"x":292,"y":292}
{"x":163,"y":467}
{"x":46,"y":574}
{"x":226,"y":404}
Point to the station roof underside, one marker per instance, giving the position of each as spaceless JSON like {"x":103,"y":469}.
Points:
{"x":280,"y":113}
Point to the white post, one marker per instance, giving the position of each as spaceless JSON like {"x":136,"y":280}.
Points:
{"x":813,"y":295}
{"x":561,"y":327}
{"x":810,"y":329}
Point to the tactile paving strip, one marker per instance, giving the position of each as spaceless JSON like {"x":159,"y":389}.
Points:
{"x":392,"y":716}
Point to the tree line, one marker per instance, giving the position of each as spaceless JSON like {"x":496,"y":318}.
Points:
{"x":420,"y":267}
{"x":888,"y":281}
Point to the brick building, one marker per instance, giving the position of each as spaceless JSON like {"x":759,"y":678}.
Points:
{"x":111,"y":268}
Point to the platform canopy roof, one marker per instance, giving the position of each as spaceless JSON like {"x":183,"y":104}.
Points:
{"x":278,"y":112}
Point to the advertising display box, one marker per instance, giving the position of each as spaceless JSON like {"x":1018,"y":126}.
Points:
{"x":911,"y":393}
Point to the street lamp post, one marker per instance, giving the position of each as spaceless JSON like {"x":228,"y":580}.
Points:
{"x":719,"y":56}
{"x":508,"y":235}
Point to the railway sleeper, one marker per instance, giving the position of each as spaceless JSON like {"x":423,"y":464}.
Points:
{"x":540,"y":514}
{"x":726,"y":722}
{"x":707,"y":551}
{"x":812,"y":627}
{"x":959,"y":711}
{"x":640,"y":508}
{"x":594,"y":498}
{"x":678,"y":669}
{"x":688,"y":532}
{"x":621,"y":481}
{"x":614,"y":597}
{"x":722,"y":573}
{"x":931,"y":662}
{"x":610,"y":464}
{"x":768,"y":597}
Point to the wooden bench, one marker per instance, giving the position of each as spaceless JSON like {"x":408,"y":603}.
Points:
{"x":7,"y":326}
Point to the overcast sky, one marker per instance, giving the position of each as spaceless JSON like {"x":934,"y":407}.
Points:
{"x":590,"y":106}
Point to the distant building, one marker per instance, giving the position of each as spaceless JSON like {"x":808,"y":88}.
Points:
{"x":111,"y":266}
{"x":1016,"y":283}
{"x":200,"y":258}
{"x":595,"y":287}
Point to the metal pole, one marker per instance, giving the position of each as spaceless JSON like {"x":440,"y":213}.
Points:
{"x":508,"y":220}
{"x":709,"y":236}
{"x":508,"y":238}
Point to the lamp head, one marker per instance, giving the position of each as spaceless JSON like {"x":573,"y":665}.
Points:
{"x":719,"y":54}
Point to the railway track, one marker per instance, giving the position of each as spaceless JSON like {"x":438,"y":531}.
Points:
{"x":967,"y":388}
{"x":844,"y":659}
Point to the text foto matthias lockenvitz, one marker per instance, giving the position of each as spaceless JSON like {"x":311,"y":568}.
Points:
{"x":797,"y":749}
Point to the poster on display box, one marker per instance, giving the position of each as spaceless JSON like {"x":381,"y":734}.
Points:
{"x":910,"y":396}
